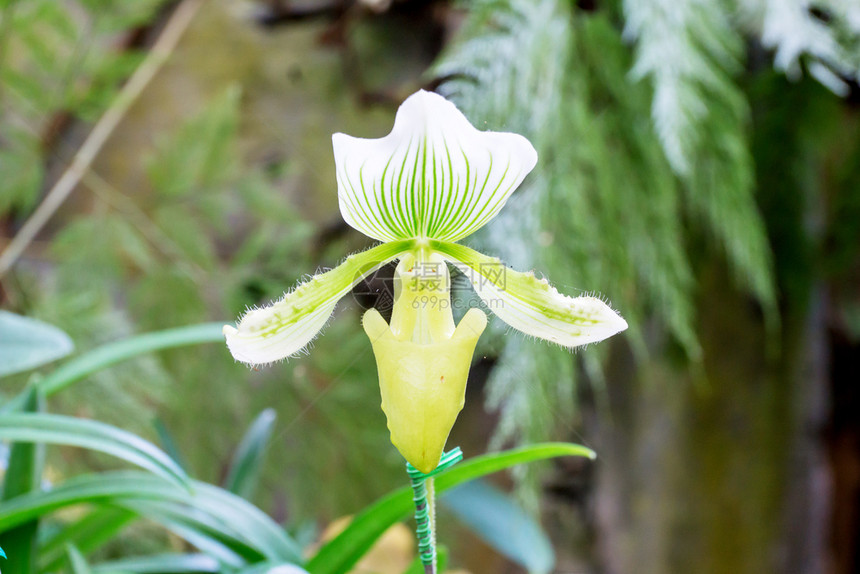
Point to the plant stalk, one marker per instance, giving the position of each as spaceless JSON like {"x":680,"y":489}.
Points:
{"x":423,"y":495}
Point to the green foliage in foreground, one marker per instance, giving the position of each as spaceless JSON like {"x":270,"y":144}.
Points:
{"x":26,"y":343}
{"x":229,"y":533}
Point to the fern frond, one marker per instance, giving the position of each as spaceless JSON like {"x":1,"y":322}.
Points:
{"x":623,"y":164}
{"x":601,"y":212}
{"x":56,"y":58}
{"x":685,"y":48}
{"x":689,"y":51}
{"x":825,"y":34}
{"x":507,"y":71}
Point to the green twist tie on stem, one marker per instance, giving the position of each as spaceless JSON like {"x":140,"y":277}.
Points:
{"x":424,"y":528}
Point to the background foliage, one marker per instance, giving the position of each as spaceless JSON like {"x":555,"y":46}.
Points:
{"x":698,"y":167}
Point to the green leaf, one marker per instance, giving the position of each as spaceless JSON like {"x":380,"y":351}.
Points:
{"x":250,"y":522}
{"x":26,"y":343}
{"x":343,"y":551}
{"x":227,"y":512}
{"x":59,"y":429}
{"x":211,"y":541}
{"x":77,"y":562}
{"x":161,"y":564}
{"x":112,"y":353}
{"x":205,"y":532}
{"x":87,"y":534}
{"x":23,"y":476}
{"x":493,"y":516}
{"x":266,"y":567}
{"x":244,"y":472}
{"x":168,"y":443}
{"x":207,"y":545}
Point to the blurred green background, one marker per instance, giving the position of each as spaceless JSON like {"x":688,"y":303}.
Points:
{"x":699,"y":167}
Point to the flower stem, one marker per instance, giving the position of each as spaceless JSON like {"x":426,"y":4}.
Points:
{"x":423,"y":496}
{"x":426,"y":548}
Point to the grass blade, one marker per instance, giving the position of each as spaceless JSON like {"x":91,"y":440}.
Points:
{"x":267,"y":567}
{"x":80,"y":367}
{"x":210,"y":535}
{"x":87,"y":535}
{"x":77,"y":562}
{"x":26,"y":343}
{"x":167,"y":443}
{"x":225,"y":510}
{"x":205,"y":544}
{"x":493,"y":516}
{"x":94,"y":435}
{"x":244,"y":472}
{"x":342,"y":552}
{"x":23,"y":476}
{"x":161,"y":564}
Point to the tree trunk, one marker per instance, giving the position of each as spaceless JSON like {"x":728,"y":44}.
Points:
{"x":724,"y":471}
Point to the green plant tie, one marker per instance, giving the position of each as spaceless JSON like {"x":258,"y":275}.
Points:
{"x":423,"y":513}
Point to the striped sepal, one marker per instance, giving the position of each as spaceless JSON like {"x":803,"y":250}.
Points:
{"x":434,"y":176}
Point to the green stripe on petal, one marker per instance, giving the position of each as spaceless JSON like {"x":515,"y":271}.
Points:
{"x":285,"y":327}
{"x":434,"y":176}
{"x":532,"y":305}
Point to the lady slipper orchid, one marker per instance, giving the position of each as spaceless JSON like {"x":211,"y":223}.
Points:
{"x":431,"y":182}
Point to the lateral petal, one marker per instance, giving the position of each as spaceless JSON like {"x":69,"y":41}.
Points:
{"x":532,"y":305}
{"x":285,"y":327}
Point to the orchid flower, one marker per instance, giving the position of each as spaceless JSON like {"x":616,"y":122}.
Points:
{"x":431,"y":182}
